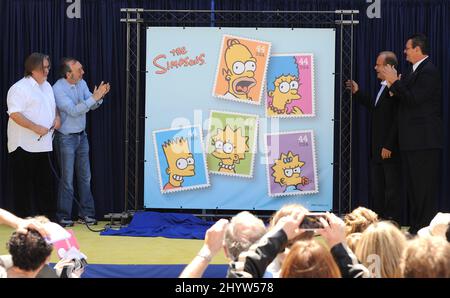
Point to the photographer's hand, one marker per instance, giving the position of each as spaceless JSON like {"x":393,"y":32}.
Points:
{"x":334,"y":229}
{"x":290,"y":224}
{"x":214,"y":237}
{"x":71,"y":270}
{"x":212,"y":245}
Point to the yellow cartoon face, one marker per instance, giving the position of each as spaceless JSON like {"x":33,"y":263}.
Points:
{"x":229,"y":144}
{"x":179,"y":158}
{"x":287,"y":169}
{"x":286,"y":90}
{"x":241,"y":69}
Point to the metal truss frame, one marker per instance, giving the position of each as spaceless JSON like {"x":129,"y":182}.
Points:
{"x":137,"y":20}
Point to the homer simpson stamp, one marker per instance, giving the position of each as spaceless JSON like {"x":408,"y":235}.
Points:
{"x":290,"y":86}
{"x":291,"y":163}
{"x":180,"y":158}
{"x":231,"y":143}
{"x":241,"y":69}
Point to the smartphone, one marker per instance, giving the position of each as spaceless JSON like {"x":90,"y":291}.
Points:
{"x":311,"y":221}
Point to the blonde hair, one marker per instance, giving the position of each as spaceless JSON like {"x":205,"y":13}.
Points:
{"x":286,"y":210}
{"x":353,"y":240}
{"x":426,"y":257}
{"x":309,"y":259}
{"x":359,"y":219}
{"x":386,"y":242}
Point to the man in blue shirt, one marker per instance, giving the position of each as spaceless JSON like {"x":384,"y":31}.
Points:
{"x":74,"y":100}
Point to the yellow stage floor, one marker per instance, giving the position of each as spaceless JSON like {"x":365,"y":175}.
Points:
{"x":127,"y":250}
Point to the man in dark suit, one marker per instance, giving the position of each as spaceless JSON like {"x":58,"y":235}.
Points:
{"x":385,"y":158}
{"x":420,"y":129}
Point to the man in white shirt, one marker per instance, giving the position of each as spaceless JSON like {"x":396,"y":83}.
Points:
{"x":32,"y":119}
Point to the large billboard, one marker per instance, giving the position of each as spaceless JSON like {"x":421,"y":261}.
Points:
{"x":239,"y":118}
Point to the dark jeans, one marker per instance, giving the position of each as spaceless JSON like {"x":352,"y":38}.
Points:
{"x":32,"y":183}
{"x":73,"y":157}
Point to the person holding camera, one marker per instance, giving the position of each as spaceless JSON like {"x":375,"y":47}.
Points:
{"x":74,"y":100}
{"x":234,"y":236}
{"x":253,"y":263}
{"x":385,"y":164}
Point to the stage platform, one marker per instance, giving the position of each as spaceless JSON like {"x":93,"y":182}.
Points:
{"x":108,"y":256}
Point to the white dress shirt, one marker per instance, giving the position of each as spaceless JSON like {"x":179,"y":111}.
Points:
{"x":418,"y":63}
{"x":383,"y":85}
{"x":37,"y":103}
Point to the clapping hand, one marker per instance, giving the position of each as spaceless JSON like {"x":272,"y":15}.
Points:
{"x":390,"y":74}
{"x":101,"y":90}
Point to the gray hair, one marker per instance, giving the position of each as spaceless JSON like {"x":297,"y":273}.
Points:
{"x":243,"y":231}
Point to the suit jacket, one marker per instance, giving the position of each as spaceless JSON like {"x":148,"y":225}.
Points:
{"x":384,"y":131}
{"x":419,"y":112}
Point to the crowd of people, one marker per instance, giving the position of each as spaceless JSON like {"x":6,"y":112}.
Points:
{"x":361,"y":245}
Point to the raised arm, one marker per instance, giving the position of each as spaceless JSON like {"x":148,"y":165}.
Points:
{"x":19,"y":224}
{"x":213,"y":244}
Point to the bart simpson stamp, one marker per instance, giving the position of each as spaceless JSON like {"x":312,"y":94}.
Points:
{"x":180,"y":159}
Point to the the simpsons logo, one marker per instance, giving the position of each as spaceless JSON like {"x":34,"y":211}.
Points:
{"x":182,"y":59}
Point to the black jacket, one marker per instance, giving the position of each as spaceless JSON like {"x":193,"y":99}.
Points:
{"x":253,"y":263}
{"x":420,"y":112}
{"x":384,"y":131}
